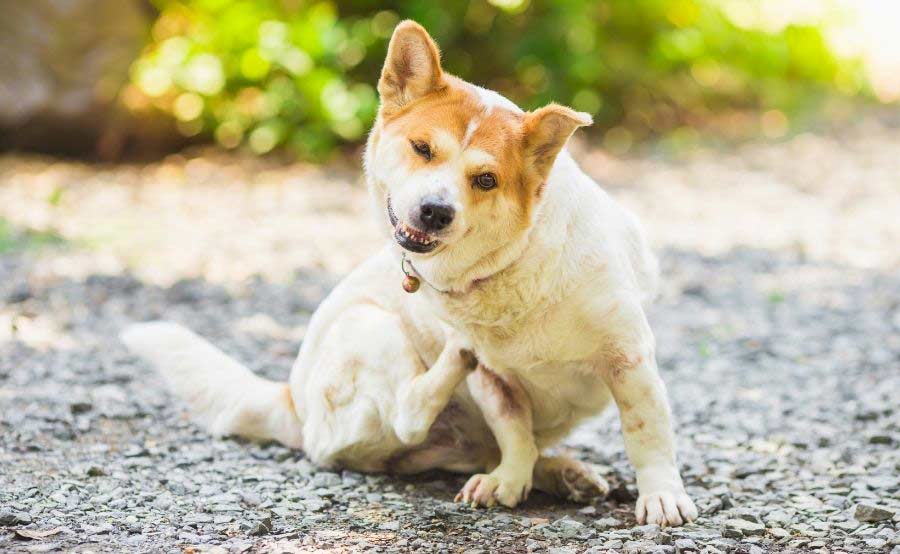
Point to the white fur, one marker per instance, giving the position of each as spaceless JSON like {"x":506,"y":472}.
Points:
{"x":560,"y":317}
{"x":225,"y":397}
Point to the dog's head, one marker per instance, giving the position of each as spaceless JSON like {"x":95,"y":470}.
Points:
{"x":457,"y":170}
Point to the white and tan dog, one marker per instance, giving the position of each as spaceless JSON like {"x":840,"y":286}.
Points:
{"x":525,"y":262}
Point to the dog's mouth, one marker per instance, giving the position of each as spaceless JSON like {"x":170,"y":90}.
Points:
{"x":408,"y":237}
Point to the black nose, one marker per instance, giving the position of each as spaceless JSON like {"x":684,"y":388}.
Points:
{"x":435,"y":214}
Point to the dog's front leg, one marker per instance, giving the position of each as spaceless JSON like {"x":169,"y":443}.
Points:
{"x":640,"y":394}
{"x":507,"y":410}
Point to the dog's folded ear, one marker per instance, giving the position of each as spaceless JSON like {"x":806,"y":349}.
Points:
{"x":546,"y":131}
{"x":412,"y":68}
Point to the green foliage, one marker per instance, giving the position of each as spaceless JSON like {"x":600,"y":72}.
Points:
{"x":13,"y":239}
{"x":302,"y":74}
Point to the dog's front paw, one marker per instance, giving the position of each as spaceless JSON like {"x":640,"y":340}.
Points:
{"x":488,"y":490}
{"x":665,"y":508}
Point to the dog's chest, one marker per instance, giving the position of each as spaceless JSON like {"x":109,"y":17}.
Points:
{"x":556,"y":339}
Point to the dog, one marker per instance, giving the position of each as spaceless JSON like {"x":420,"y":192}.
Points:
{"x":528,"y":316}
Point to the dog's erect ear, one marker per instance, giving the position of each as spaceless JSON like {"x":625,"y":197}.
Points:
{"x":546,"y":132}
{"x":412,"y":68}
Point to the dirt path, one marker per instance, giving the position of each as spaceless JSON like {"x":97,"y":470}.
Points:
{"x":778,"y":328}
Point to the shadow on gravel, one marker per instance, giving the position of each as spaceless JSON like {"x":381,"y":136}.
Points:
{"x":783,"y":376}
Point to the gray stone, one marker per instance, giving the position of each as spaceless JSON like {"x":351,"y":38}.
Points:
{"x":325,"y":479}
{"x":11,"y":518}
{"x":869,"y":513}
{"x":62,"y":66}
{"x":742,"y":528}
{"x":607,"y":523}
{"x":262,"y":527}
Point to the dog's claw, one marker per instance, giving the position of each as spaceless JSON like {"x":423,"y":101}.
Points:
{"x":489,"y":491}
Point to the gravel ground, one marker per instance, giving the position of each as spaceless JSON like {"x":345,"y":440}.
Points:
{"x":782,"y":362}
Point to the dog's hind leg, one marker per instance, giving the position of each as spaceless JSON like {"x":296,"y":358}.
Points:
{"x":568,"y":478}
{"x":367,"y":393}
{"x":423,"y":397}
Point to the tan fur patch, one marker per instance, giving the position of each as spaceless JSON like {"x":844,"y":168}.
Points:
{"x":470,"y":362}
{"x":498,"y":134}
{"x":633,"y":426}
{"x":508,"y":398}
{"x":619,"y":362}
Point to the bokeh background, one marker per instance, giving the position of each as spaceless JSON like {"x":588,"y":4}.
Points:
{"x":199,"y":161}
{"x":132,"y":124}
{"x":136,"y":77}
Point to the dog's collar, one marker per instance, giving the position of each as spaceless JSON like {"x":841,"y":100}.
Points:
{"x":413,"y":277}
{"x":411,"y":282}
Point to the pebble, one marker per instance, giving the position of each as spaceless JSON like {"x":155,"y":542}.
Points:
{"x":738,"y":528}
{"x":119,"y":466}
{"x":262,"y":527}
{"x":10,"y":518}
{"x":607,"y":523}
{"x":869,"y":513}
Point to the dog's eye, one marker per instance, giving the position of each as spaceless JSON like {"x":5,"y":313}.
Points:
{"x":486,"y":181}
{"x":421,"y":148}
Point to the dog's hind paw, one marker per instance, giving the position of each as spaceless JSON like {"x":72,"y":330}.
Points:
{"x":582,"y":485}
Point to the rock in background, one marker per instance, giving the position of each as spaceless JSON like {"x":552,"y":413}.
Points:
{"x":62,"y":64}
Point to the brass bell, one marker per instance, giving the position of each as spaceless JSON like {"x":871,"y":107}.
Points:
{"x":411,"y":284}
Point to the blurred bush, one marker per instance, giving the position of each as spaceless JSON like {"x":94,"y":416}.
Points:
{"x":270,"y":73}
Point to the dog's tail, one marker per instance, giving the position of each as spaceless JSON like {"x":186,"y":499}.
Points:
{"x":225,"y":397}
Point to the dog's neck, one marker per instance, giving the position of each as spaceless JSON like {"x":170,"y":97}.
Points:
{"x":442,"y":277}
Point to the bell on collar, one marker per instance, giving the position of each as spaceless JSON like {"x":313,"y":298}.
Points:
{"x":411,"y":284}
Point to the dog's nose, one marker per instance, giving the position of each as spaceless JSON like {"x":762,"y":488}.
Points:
{"x":435,"y":214}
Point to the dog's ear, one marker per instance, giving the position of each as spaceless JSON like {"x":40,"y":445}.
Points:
{"x":546,"y":132}
{"x":412,"y":68}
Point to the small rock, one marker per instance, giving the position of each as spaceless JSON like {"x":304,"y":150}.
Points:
{"x":390,"y":526}
{"x":251,"y":498}
{"x":649,"y":532}
{"x":325,"y":479}
{"x":95,"y":471}
{"x":135,"y":451}
{"x":778,"y":517}
{"x":607,"y":523}
{"x":10,"y":518}
{"x":748,"y":515}
{"x":80,"y":407}
{"x":567,"y":528}
{"x":20,"y":293}
{"x":869,"y":513}
{"x":263,"y":527}
{"x":685,"y":545}
{"x":742,"y":528}
{"x":881,"y":439}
